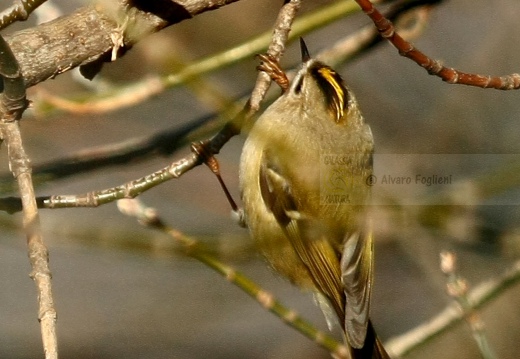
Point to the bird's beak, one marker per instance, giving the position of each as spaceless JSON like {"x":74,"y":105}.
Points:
{"x":305,"y":52}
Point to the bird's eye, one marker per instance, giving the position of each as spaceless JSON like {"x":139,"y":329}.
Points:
{"x":298,"y":87}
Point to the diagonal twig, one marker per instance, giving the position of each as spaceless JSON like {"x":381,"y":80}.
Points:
{"x":213,"y":145}
{"x":434,"y":67}
{"x":163,"y":143}
{"x":166,"y":142}
{"x":12,"y":105}
{"x":149,"y":217}
{"x":133,"y":150}
{"x":457,"y":287}
{"x":142,"y":90}
{"x":481,"y":295}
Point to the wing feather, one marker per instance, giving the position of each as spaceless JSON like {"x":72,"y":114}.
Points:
{"x":313,"y":248}
{"x":356,"y":274}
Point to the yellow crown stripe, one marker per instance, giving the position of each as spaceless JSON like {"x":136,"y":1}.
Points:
{"x":338,"y":100}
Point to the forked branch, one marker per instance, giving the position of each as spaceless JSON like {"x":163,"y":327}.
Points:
{"x":178,"y":168}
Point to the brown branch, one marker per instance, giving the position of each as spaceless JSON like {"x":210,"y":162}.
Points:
{"x":263,"y":81}
{"x":166,"y":142}
{"x":84,"y":37}
{"x":18,"y":11}
{"x":12,"y":105}
{"x":131,"y":94}
{"x":178,"y":168}
{"x":434,"y":67}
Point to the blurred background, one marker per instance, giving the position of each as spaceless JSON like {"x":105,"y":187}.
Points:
{"x":123,"y":291}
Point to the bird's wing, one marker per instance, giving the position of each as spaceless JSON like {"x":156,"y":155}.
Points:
{"x":356,"y":274}
{"x":311,"y":244}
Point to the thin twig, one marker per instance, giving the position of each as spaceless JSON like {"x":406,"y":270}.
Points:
{"x":480,"y":296}
{"x":213,"y":145}
{"x":149,"y":217}
{"x":19,"y":11}
{"x":128,"y":190}
{"x":457,"y":287}
{"x":166,"y":142}
{"x":139,"y":91}
{"x":434,"y":67}
{"x":13,"y":103}
{"x":133,"y":150}
{"x":275,"y":50}
{"x":367,"y":37}
{"x":134,"y":93}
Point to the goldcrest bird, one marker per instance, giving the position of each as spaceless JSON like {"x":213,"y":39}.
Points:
{"x":303,"y":178}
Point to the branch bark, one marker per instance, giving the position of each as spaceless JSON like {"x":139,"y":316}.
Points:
{"x":18,"y":12}
{"x":12,"y":105}
{"x":84,"y":37}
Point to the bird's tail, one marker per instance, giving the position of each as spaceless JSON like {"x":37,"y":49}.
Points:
{"x":372,"y":349}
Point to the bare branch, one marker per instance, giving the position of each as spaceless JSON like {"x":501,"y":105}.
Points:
{"x":12,"y":105}
{"x":175,"y":170}
{"x":481,"y":295}
{"x":457,"y":287}
{"x":149,"y":217}
{"x":165,"y":143}
{"x":142,"y":90}
{"x":19,"y":11}
{"x":127,"y":190}
{"x":41,"y":51}
{"x":434,"y":67}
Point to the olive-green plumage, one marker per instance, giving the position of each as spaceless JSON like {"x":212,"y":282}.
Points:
{"x":303,"y":174}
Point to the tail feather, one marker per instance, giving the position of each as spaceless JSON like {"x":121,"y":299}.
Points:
{"x":372,"y":349}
